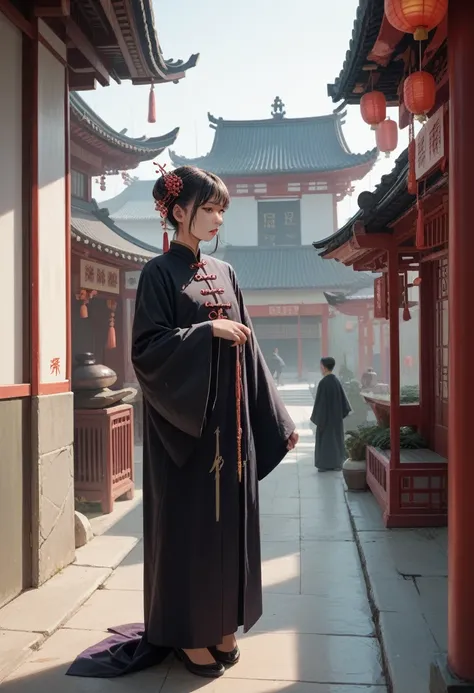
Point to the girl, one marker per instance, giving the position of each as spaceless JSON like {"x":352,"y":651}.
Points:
{"x":214,"y":425}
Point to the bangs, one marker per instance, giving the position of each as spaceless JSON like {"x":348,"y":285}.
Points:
{"x":213,"y":190}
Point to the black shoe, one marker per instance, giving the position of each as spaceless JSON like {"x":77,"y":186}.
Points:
{"x":226,"y":658}
{"x":209,"y":671}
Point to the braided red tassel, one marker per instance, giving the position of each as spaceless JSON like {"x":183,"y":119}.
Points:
{"x":151,"y":105}
{"x":166,"y":242}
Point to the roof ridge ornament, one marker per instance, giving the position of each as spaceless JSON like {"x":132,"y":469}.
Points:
{"x":278,"y":113}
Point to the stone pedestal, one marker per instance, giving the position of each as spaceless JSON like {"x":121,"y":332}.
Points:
{"x":52,"y":540}
{"x":443,"y":681}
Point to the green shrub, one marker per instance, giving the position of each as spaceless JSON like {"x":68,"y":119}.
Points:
{"x":409,"y":394}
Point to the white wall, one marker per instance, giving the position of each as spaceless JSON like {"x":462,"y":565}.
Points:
{"x":52,"y":215}
{"x":241,"y":222}
{"x":11,"y":231}
{"x":317,"y":218}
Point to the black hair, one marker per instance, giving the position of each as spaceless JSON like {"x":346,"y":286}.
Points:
{"x":198,"y":188}
{"x":328,"y":362}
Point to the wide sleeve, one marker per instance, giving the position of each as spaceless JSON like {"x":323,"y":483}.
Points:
{"x":320,"y":409}
{"x":173,"y":364}
{"x":269,"y":419}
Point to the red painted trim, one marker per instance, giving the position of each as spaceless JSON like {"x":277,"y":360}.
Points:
{"x":16,"y":18}
{"x":34,"y":221}
{"x":54,"y":388}
{"x":394,"y":291}
{"x":15,"y":391}
{"x":67,"y":230}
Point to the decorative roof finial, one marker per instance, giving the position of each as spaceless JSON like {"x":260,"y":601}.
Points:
{"x":278,"y":107}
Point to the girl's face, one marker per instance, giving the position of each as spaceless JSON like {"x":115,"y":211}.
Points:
{"x":207,"y":222}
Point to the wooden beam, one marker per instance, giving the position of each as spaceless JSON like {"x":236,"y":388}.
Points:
{"x":82,"y":43}
{"x":81,"y":81}
{"x":52,"y":8}
{"x":109,"y":12}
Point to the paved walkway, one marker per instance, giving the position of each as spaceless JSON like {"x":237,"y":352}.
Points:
{"x":316,"y":635}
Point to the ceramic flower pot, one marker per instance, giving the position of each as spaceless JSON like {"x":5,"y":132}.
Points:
{"x":354,"y":472}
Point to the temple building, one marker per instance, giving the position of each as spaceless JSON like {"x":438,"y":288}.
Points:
{"x":285,"y":177}
{"x":47,"y":49}
{"x":422,"y":224}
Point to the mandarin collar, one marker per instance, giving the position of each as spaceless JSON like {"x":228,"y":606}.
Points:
{"x":185,"y":251}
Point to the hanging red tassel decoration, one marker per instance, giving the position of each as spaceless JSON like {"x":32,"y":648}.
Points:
{"x":151,"y":105}
{"x":166,"y":242}
{"x":83,"y":312}
{"x":111,"y":339}
{"x":85,"y":295}
{"x":420,"y":226}
{"x":406,"y":313}
{"x":412,"y":184}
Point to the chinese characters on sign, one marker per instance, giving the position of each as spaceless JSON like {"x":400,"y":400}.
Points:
{"x":279,"y":222}
{"x":99,"y":277}
{"x":55,"y":366}
{"x":284,"y":311}
{"x":429,"y":144}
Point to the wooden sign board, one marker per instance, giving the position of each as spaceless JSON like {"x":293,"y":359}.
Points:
{"x":429,"y":145}
{"x":98,"y":277}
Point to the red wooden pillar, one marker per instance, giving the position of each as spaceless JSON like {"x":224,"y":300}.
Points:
{"x":461,"y":339}
{"x":383,"y":353}
{"x":300,"y":349}
{"x":394,"y":311}
{"x":362,"y":330}
{"x":426,"y":348}
{"x":325,"y":332}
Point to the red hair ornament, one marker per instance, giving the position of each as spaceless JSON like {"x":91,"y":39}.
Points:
{"x":173,"y":186}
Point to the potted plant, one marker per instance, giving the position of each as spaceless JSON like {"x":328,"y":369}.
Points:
{"x":354,"y":468}
{"x":359,"y":406}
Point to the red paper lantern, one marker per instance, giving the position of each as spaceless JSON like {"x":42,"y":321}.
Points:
{"x":416,"y":17}
{"x":419,"y":93}
{"x":386,"y":136}
{"x":373,"y":108}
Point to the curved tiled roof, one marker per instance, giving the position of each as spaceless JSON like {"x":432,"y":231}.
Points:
{"x":278,"y":145}
{"x":92,"y":226}
{"x":145,"y":148}
{"x":290,"y":267}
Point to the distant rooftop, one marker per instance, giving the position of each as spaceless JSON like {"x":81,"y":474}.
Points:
{"x":118,"y":151}
{"x":280,"y":145}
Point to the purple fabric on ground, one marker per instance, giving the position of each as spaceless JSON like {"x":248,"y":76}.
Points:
{"x":124,"y":652}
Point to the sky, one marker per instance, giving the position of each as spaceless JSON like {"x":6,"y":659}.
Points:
{"x":250,"y":51}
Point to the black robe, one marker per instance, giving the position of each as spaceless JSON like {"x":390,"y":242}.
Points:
{"x":201,"y":538}
{"x":331,"y":407}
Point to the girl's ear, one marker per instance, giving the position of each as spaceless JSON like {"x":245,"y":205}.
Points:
{"x":179,"y":214}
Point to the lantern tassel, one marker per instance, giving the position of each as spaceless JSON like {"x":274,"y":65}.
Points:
{"x":84,"y":313}
{"x":412,"y":185}
{"x":406,"y":313}
{"x":111,"y":339}
{"x":151,"y":105}
{"x":420,"y":226}
{"x":166,"y":242}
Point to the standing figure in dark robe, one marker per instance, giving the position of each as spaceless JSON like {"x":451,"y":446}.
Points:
{"x":214,"y":426}
{"x":277,"y":366}
{"x":331,"y":407}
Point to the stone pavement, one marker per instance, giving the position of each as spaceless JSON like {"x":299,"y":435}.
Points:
{"x":316,"y":635}
{"x":407,"y":570}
